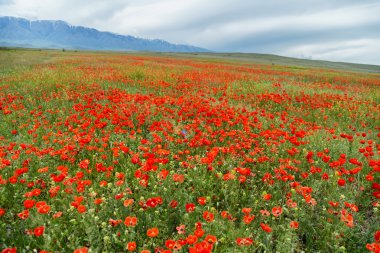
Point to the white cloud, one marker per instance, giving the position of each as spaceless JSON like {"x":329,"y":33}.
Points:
{"x":345,"y":18}
{"x":367,"y":49}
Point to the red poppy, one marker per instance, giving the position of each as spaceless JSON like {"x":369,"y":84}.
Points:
{"x":81,"y":250}
{"x":277,"y":211}
{"x":43,"y":170}
{"x":131,"y":246}
{"x":341,"y":182}
{"x":211,"y":239}
{"x":208,"y":216}
{"x":247,"y":219}
{"x":84,"y":164}
{"x":244,"y":241}
{"x":267,"y":196}
{"x":178,"y":244}
{"x":135,"y":159}
{"x":181,"y":229}
{"x":24,"y":214}
{"x":113,"y":222}
{"x":43,"y":209}
{"x":169,"y":244}
{"x":377,"y":236}
{"x":191,"y":239}
{"x":190,"y":207}
{"x":202,"y":201}
{"x":29,"y":203}
{"x":173,"y":204}
{"x":294,"y":224}
{"x":128,"y":202}
{"x":57,"y":215}
{"x":38,"y":231}
{"x":152,"y":232}
{"x":9,"y":250}
{"x":36,"y":192}
{"x":130,"y":221}
{"x":265,"y":227}
{"x":178,"y":178}
{"x":82,"y":209}
{"x":98,"y":201}
{"x":347,"y":218}
{"x":374,"y":247}
{"x":199,"y":232}
{"x":264,"y":212}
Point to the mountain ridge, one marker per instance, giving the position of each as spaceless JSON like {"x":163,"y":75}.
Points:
{"x":15,"y":31}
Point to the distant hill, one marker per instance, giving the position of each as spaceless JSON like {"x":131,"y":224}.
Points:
{"x":59,"y":34}
{"x":279,"y":60}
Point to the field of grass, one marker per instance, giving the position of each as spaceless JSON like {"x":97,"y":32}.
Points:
{"x":113,"y":152}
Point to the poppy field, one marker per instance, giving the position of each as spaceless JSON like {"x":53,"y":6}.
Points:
{"x":107,"y":152}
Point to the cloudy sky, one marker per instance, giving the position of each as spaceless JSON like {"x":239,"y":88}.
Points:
{"x":337,"y":30}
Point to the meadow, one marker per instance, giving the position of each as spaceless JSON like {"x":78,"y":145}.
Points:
{"x":117,"y":152}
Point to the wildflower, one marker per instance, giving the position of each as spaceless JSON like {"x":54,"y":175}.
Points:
{"x":24,"y":214}
{"x":347,"y":218}
{"x":9,"y":250}
{"x":98,"y":201}
{"x":178,"y":178}
{"x":169,"y":244}
{"x":113,"y":222}
{"x":82,"y":209}
{"x":81,"y":250}
{"x":247,"y":219}
{"x":377,"y":236}
{"x":277,"y":211}
{"x":191,"y":239}
{"x":57,"y":215}
{"x":208,"y":216}
{"x":294,"y":224}
{"x":264,"y":212}
{"x":265,"y":227}
{"x":199,"y":232}
{"x":128,"y":202}
{"x":135,"y":159}
{"x":190,"y":207}
{"x":130,"y":221}
{"x":43,"y":209}
{"x":38,"y":231}
{"x":181,"y":229}
{"x":341,"y":182}
{"x":152,"y":232}
{"x":244,"y":241}
{"x":84,"y":164}
{"x":173,"y":204}
{"x":374,"y":247}
{"x":202,"y":201}
{"x":211,"y":239}
{"x":131,"y":246}
{"x":267,"y":196}
{"x":29,"y":203}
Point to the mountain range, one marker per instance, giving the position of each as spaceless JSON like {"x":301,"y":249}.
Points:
{"x":22,"y":32}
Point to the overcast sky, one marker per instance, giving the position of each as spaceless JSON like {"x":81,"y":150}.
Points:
{"x":337,"y":30}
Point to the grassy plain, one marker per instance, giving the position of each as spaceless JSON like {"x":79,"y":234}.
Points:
{"x":126,"y":152}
